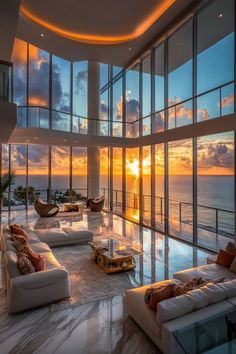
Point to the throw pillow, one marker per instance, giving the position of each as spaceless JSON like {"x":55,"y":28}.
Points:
{"x":231,"y":247}
{"x":36,"y":260}
{"x":20,"y":242}
{"x":190,"y":285}
{"x":225,"y":258}
{"x":25,"y":264}
{"x":164,"y":293}
{"x":148,"y":293}
{"x":17,"y":229}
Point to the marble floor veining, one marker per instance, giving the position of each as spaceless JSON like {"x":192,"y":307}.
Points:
{"x":100,"y":327}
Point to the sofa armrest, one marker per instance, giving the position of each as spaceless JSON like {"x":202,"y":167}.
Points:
{"x":41,"y":279}
{"x":37,"y":289}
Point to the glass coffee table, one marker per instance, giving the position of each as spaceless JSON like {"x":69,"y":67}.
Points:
{"x":111,"y":256}
{"x":215,"y":335}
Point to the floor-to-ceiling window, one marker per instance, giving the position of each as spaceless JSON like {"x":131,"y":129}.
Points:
{"x":38,"y":79}
{"x":159,"y":187}
{"x":18,"y":156}
{"x":80,"y":97}
{"x":180,"y":162}
{"x":132,"y":102}
{"x":132,"y":183}
{"x":215,"y":189}
{"x":117,"y":112}
{"x":159,"y":87}
{"x":61,"y":70}
{"x":37,"y":172}
{"x":104,"y":174}
{"x":117,"y":179}
{"x":146,"y":179}
{"x":146,"y":95}
{"x":180,"y":76}
{"x":79,"y":172}
{"x":60,"y":174}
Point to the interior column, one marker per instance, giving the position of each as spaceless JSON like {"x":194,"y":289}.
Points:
{"x":93,"y":169}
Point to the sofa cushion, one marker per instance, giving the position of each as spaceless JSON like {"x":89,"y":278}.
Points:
{"x":40,"y":247}
{"x":229,"y":288}
{"x":232,"y":267}
{"x":50,"y":261}
{"x":52,"y":235}
{"x":225,"y":258}
{"x":78,"y":235}
{"x":207,"y":271}
{"x":181,"y":305}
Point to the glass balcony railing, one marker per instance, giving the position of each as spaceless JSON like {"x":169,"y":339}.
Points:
{"x":207,"y":105}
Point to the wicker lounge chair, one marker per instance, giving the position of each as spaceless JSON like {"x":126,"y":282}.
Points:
{"x":97,"y":204}
{"x":45,"y":209}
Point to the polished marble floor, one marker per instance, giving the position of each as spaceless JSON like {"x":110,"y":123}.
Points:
{"x":102,"y":326}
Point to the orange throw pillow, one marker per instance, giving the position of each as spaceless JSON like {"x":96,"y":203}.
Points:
{"x":164,"y":293}
{"x":36,"y":260}
{"x":225,"y":258}
{"x":18,"y":230}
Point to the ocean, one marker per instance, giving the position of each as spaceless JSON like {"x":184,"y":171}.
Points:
{"x":213,"y":192}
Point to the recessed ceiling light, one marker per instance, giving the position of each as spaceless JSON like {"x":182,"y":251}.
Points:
{"x":27,"y":141}
{"x":42,"y":35}
{"x":64,"y":140}
{"x":220,"y":15}
{"x":36,"y":138}
{"x":76,"y":141}
{"x":130,"y":48}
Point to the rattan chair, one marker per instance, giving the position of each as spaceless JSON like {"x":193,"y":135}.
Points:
{"x":44,"y":209}
{"x":97,"y":204}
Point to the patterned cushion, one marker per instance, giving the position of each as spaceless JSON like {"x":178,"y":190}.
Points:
{"x":20,"y":242}
{"x":17,"y":229}
{"x":25,"y":265}
{"x":186,"y":287}
{"x":231,"y":247}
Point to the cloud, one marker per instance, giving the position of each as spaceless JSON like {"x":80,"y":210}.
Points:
{"x":227,"y":101}
{"x":81,"y":83}
{"x":219,"y":155}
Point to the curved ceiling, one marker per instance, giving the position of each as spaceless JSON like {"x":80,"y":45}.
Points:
{"x":90,"y":23}
{"x":82,"y":29}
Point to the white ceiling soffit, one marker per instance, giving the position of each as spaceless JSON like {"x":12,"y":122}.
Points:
{"x":108,"y":19}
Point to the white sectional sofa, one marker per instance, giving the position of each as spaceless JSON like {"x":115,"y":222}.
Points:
{"x":184,"y":310}
{"x":25,"y":292}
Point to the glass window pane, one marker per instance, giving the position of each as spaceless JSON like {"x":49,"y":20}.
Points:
{"x":38,"y":172}
{"x":208,"y":106}
{"x":117,"y":108}
{"x":215,"y":45}
{"x":60,"y":162}
{"x":18,"y":165}
{"x":227,"y":99}
{"x":180,"y":189}
{"x":38,"y":77}
{"x":132,"y":183}
{"x":180,"y":65}
{"x":19,"y":58}
{"x":117,"y":180}
{"x":103,"y":74}
{"x":159,"y":78}
{"x":146,"y":86}
{"x":159,"y":187}
{"x":80,"y":88}
{"x":146,"y":167}
{"x":60,"y":84}
{"x":79,"y":172}
{"x":132,"y":98}
{"x":215,"y":185}
{"x":104,"y":174}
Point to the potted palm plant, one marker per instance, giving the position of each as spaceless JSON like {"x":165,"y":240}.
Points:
{"x":6,"y":181}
